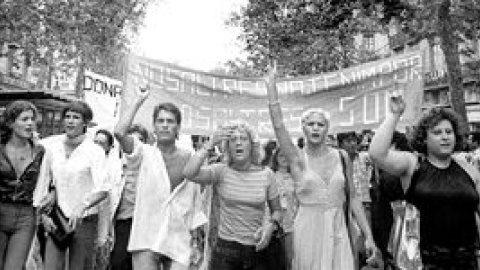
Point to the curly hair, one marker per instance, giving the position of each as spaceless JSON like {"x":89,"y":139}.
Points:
{"x":428,"y":121}
{"x":12,"y":111}
{"x":256,"y":153}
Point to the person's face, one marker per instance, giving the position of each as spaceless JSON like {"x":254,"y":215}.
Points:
{"x":315,"y":128}
{"x":23,"y":126}
{"x":440,"y":139}
{"x":239,"y":146}
{"x":102,"y":140}
{"x":166,"y":127}
{"x":350,"y":145}
{"x":73,"y":124}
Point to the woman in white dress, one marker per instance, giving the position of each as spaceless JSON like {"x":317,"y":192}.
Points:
{"x":321,"y":239}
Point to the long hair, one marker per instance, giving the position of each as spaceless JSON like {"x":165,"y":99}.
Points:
{"x":12,"y":111}
{"x":256,"y":153}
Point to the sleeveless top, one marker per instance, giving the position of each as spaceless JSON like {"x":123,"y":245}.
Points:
{"x":447,"y":201}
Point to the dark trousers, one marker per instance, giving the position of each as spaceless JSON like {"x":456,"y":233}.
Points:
{"x":81,"y":250}
{"x":230,"y":255}
{"x":17,"y":228}
{"x":120,"y":258}
{"x":439,"y":258}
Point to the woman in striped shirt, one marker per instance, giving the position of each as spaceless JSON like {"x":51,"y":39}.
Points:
{"x":243,"y":187}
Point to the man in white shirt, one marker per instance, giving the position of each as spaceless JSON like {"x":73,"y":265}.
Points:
{"x":166,"y":207}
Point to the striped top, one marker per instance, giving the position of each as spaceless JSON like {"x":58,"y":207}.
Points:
{"x":242,"y":197}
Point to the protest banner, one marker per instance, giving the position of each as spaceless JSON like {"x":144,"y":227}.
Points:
{"x":357,"y":97}
{"x":103,"y":94}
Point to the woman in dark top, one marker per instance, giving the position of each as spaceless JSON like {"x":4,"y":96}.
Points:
{"x":20,"y":160}
{"x":445,"y":190}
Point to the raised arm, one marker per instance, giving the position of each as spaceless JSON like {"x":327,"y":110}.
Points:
{"x":281,"y":132}
{"x":194,"y":170}
{"x":125,"y":121}
{"x":398,"y":163}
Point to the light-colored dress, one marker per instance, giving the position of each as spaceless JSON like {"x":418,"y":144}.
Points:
{"x":320,"y":233}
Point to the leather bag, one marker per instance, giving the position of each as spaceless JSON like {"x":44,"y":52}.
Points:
{"x":62,"y":235}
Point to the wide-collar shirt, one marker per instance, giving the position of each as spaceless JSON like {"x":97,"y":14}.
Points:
{"x":78,"y":175}
{"x":162,"y":218}
{"x":19,"y":189}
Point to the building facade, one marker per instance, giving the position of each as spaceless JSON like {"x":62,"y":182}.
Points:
{"x":436,"y":86}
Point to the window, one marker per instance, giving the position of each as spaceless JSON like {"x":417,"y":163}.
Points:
{"x":368,"y":42}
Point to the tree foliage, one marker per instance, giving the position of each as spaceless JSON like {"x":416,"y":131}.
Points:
{"x":305,"y":36}
{"x":453,"y":22}
{"x":60,"y":34}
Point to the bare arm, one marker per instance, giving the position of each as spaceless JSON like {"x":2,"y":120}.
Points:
{"x":281,"y":132}
{"x":194,"y":170}
{"x":121,"y":128}
{"x":357,"y":208}
{"x":398,"y":163}
{"x":355,"y":203}
{"x":275,"y":209}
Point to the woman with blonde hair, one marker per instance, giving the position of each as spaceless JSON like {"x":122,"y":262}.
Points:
{"x":321,"y":239}
{"x":243,"y":187}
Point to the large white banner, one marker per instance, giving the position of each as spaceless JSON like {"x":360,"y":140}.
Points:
{"x":356,"y":97}
{"x":103,"y":94}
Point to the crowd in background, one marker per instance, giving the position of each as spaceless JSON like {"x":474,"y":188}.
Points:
{"x":117,"y":200}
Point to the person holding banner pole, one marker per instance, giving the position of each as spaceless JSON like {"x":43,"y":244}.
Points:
{"x":166,"y":212}
{"x":321,"y":238}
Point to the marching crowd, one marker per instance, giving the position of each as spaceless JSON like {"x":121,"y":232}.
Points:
{"x":233,"y":204}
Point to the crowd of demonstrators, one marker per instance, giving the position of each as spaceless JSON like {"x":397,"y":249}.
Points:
{"x":444,"y":189}
{"x":283,"y":205}
{"x":321,"y":238}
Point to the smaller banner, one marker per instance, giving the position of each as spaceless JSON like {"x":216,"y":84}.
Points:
{"x":103,"y":94}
